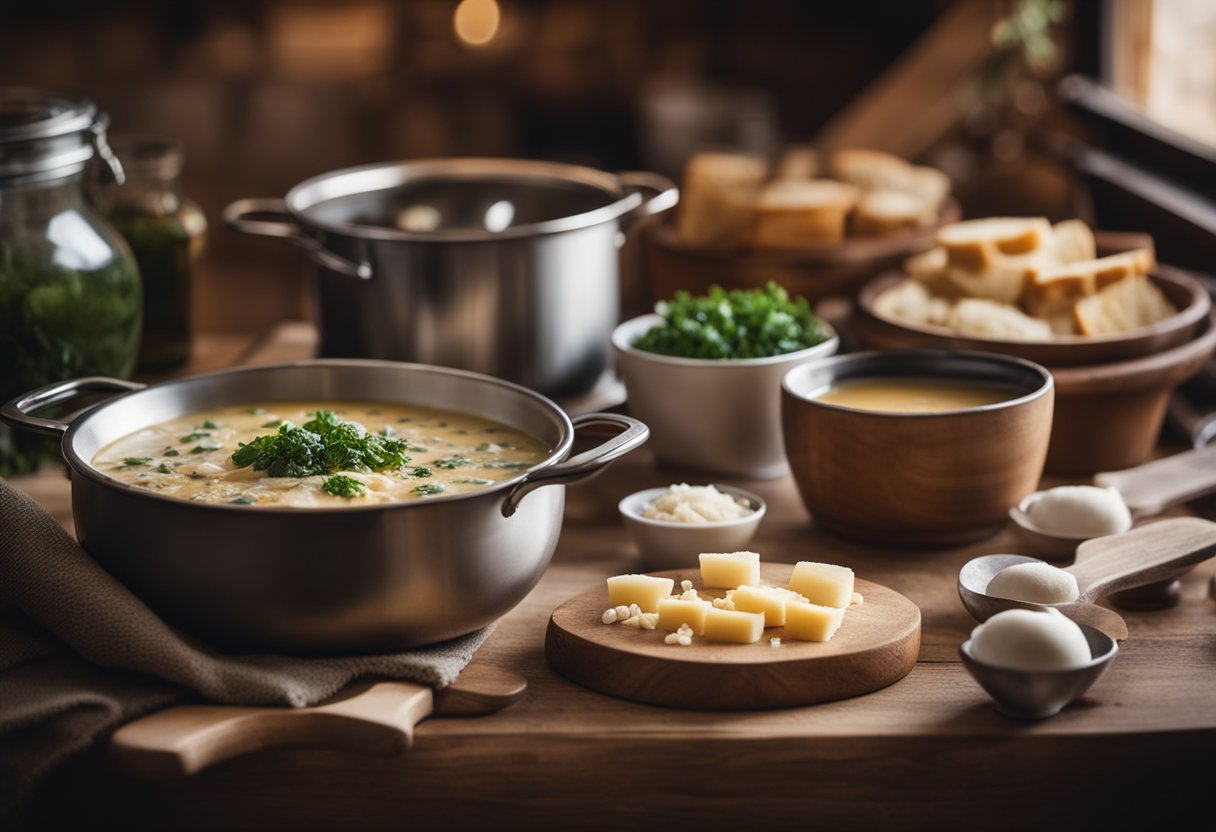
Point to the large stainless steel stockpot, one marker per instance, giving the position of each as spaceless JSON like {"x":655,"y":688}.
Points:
{"x":501,"y":266}
{"x":341,"y":580}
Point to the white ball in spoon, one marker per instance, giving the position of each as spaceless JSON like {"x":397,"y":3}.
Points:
{"x":1081,"y":510}
{"x":1030,"y":640}
{"x":1034,"y":583}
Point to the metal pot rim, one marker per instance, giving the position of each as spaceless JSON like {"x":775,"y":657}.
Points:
{"x":85,"y":469}
{"x":383,"y":176}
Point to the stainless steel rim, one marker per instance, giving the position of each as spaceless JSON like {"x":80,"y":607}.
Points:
{"x":384,"y":176}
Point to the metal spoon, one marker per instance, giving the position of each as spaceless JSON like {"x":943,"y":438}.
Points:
{"x":1037,"y":694}
{"x":1153,"y":552}
{"x":1147,"y":489}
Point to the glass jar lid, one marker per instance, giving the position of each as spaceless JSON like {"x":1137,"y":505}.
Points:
{"x":46,"y":135}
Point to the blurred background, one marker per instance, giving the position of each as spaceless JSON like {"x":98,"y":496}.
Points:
{"x":1039,"y":107}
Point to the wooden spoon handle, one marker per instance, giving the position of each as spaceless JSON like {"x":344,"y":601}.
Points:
{"x":1147,"y":554}
{"x":375,"y":718}
{"x":1151,"y":488}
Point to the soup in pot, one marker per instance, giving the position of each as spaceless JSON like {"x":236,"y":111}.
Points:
{"x":319,"y":454}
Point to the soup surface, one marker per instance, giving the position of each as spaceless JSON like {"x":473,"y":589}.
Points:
{"x":337,"y":454}
{"x":903,"y":394}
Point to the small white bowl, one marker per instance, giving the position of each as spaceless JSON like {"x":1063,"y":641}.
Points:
{"x":718,"y":416}
{"x":667,"y":545}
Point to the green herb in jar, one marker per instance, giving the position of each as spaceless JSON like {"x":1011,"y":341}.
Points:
{"x":736,"y":324}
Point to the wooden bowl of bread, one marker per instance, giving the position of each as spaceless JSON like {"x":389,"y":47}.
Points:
{"x":819,"y":230}
{"x":1118,"y":330}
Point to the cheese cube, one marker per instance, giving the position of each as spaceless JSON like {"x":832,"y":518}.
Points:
{"x":673,"y":612}
{"x":823,"y":583}
{"x":770,"y":600}
{"x":727,"y":570}
{"x":812,"y":622}
{"x":731,"y":625}
{"x":643,"y":590}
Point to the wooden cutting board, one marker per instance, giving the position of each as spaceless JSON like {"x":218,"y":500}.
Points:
{"x":370,"y":717}
{"x":876,"y":646}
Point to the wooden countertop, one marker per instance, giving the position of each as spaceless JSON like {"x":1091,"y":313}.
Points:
{"x":927,"y":751}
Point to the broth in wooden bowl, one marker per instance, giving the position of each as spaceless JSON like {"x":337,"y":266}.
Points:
{"x":917,"y":448}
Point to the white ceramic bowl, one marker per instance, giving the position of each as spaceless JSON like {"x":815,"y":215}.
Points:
{"x":718,"y":416}
{"x":665,"y":545}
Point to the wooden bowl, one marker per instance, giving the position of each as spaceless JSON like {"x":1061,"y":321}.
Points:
{"x":671,"y":265}
{"x":1109,"y":416}
{"x":1111,"y":392}
{"x":1193,"y":301}
{"x":916,"y":479}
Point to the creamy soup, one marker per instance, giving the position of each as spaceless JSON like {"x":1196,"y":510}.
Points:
{"x":319,"y":454}
{"x":914,"y":395}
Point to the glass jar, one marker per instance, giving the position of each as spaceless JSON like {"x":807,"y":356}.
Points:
{"x":70,"y":297}
{"x":165,"y":231}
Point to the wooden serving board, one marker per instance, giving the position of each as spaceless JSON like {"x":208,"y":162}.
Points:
{"x":877,"y":645}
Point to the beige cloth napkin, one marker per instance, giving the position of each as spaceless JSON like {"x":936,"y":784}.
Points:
{"x":80,"y":655}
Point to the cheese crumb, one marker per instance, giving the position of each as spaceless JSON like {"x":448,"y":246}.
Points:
{"x":856,"y":599}
{"x":775,"y":642}
{"x":684,"y":503}
{"x":609,"y":616}
{"x":672,"y":638}
{"x":727,"y":602}
{"x":685,"y":586}
{"x":648,"y":620}
{"x":684,"y":641}
{"x":622,"y":612}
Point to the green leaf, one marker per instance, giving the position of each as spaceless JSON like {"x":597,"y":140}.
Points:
{"x":135,"y":461}
{"x":739,"y":324}
{"x":344,"y":486}
{"x":244,"y":500}
{"x":428,"y":488}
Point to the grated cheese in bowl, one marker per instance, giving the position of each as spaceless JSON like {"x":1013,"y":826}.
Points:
{"x":683,"y":503}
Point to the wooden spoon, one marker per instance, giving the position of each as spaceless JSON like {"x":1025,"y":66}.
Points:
{"x":1153,"y":552}
{"x":374,"y":717}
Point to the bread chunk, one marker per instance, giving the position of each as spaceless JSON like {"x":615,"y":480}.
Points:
{"x":1054,"y":290}
{"x":717,"y":197}
{"x":978,"y":245}
{"x":911,"y":302}
{"x":1129,"y":304}
{"x":883,"y":210}
{"x":797,"y":162}
{"x":1072,"y":241}
{"x":796,"y":213}
{"x":877,"y":170}
{"x":988,"y":319}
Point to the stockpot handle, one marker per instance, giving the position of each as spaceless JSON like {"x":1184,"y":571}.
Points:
{"x":587,"y":463}
{"x":665,"y":193}
{"x":270,"y":218}
{"x":17,"y":411}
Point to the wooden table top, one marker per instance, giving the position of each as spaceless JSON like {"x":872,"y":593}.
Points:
{"x":926,"y":751}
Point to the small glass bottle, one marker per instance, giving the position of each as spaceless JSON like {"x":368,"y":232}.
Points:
{"x":165,"y":231}
{"x":69,"y":288}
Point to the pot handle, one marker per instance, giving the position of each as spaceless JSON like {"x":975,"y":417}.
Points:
{"x":270,"y":218}
{"x":586,"y":464}
{"x":17,"y":412}
{"x":665,"y":193}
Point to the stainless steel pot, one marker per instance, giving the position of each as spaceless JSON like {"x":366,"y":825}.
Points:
{"x":342,"y":580}
{"x":501,"y":266}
